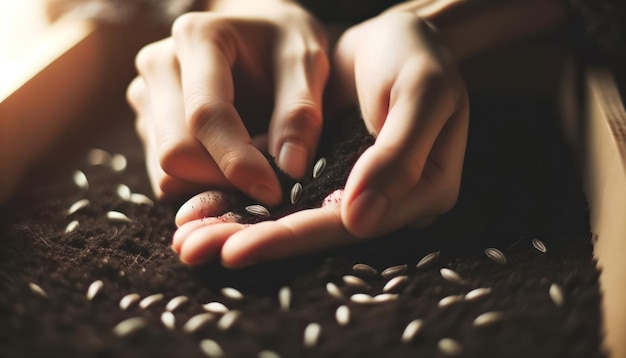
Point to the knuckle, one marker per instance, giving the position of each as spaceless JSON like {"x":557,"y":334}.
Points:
{"x":231,"y":164}
{"x":146,"y":58}
{"x":171,"y":156}
{"x":201,"y":114}
{"x":135,"y":93}
{"x":304,"y":116}
{"x":186,"y":25}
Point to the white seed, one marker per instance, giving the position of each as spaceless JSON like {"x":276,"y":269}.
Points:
{"x":411,"y":330}
{"x":197,"y":322}
{"x":539,"y":245}
{"x":215,"y":307}
{"x":211,"y":348}
{"x":296,"y":193}
{"x":129,"y":326}
{"x":35,"y":288}
{"x":334,"y":291}
{"x":232,"y":293}
{"x":395,"y":284}
{"x":319,"y":167}
{"x":140,"y":199}
{"x":385,"y":297}
{"x":80,"y":179}
{"x":227,"y":320}
{"x":449,"y":300}
{"x":428,"y":259}
{"x":312,"y":335}
{"x":284,"y":298}
{"x":477,"y":293}
{"x":73,"y":225}
{"x":355,"y":282}
{"x":496,"y":255}
{"x":129,"y":300}
{"x":118,"y":163}
{"x":449,"y":346}
{"x":168,"y":320}
{"x":150,"y":300}
{"x":116,"y":216}
{"x":258,"y":210}
{"x":556,"y":294}
{"x":450,"y":276}
{"x":94,"y":289}
{"x":80,"y":204}
{"x":123,"y":191}
{"x":365,"y":270}
{"x":394,"y":271}
{"x":98,"y":156}
{"x":176,"y":302}
{"x":487,"y":319}
{"x":362,"y":298}
{"x":268,"y":354}
{"x":342,"y":314}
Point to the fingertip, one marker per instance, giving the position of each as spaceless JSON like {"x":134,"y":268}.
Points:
{"x":293,"y":159}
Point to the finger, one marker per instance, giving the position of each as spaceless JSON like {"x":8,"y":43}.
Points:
{"x":208,"y":203}
{"x":183,"y":232}
{"x":204,"y":243}
{"x":206,"y":52}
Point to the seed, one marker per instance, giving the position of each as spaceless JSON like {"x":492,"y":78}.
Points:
{"x":362,"y":298}
{"x":539,"y":245}
{"x":73,"y":225}
{"x":496,"y":255}
{"x":411,"y":330}
{"x":140,"y":199}
{"x":268,"y":354}
{"x":98,"y":156}
{"x":198,"y":321}
{"x":94,"y":289}
{"x":477,"y":293}
{"x":449,"y":346}
{"x":232,"y":293}
{"x":395,"y":284}
{"x":227,"y":320}
{"x":129,"y":326}
{"x":385,"y":297}
{"x":258,"y":210}
{"x":118,"y":163}
{"x":80,"y":204}
{"x":319,"y":167}
{"x":556,"y":294}
{"x":35,"y":288}
{"x":342,"y":315}
{"x":355,"y":282}
{"x":427,"y":260}
{"x":449,"y":300}
{"x":450,"y":276}
{"x":129,"y":300}
{"x":176,"y":302}
{"x":394,"y":271}
{"x":80,"y":179}
{"x":123,"y":191}
{"x":365,"y":270}
{"x":312,"y":335}
{"x":211,"y":348}
{"x":487,"y":319}
{"x":150,"y":300}
{"x":215,"y":307}
{"x":284,"y":298}
{"x":296,"y":193}
{"x":334,"y":291}
{"x":168,"y":320}
{"x":116,"y":216}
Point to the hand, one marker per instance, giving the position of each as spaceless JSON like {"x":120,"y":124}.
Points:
{"x":194,"y":136}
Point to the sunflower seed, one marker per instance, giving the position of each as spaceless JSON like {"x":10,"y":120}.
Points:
{"x":395,"y":284}
{"x":123,"y":191}
{"x":258,"y":210}
{"x":232,"y":293}
{"x":80,"y":204}
{"x":268,"y":354}
{"x":215,"y":307}
{"x":556,"y":294}
{"x":319,"y":167}
{"x":450,"y":347}
{"x":140,"y":199}
{"x":197,"y":322}
{"x":312,"y":335}
{"x":394,"y":271}
{"x":98,"y":156}
{"x":227,"y":320}
{"x":411,"y":330}
{"x":94,"y":289}
{"x":129,"y":300}
{"x":150,"y":300}
{"x":35,"y":288}
{"x":496,"y":255}
{"x":385,"y":297}
{"x":118,"y":163}
{"x":73,"y":225}
{"x":129,"y":326}
{"x":284,"y":298}
{"x":449,"y":300}
{"x":211,"y":348}
{"x":355,"y":282}
{"x":80,"y":179}
{"x":477,"y":293}
{"x":365,"y":270}
{"x":362,"y":298}
{"x":176,"y":302}
{"x":427,"y":260}
{"x":487,"y":319}
{"x":334,"y":291}
{"x":296,"y":193}
{"x":168,"y":320}
{"x":539,"y":245}
{"x":450,"y":276}
{"x":342,"y":314}
{"x":116,"y":216}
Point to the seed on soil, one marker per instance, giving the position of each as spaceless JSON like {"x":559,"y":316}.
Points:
{"x":296,"y":193}
{"x":365,"y":270}
{"x":539,"y":245}
{"x":176,"y":302}
{"x":168,"y":320}
{"x":150,"y":300}
{"x":116,"y":216}
{"x":412,"y":329}
{"x":496,"y":255}
{"x":319,"y":167}
{"x":97,"y":156}
{"x":385,"y":297}
{"x":232,"y":293}
{"x":334,"y":291}
{"x":94,"y":289}
{"x":197,"y":322}
{"x":140,"y":199}
{"x":355,"y":282}
{"x":129,"y":300}
{"x":312,"y":335}
{"x":487,"y":319}
{"x":227,"y":320}
{"x":342,"y":314}
{"x":395,"y":284}
{"x":556,"y":294}
{"x":211,"y":348}
{"x":428,"y":260}
{"x":284,"y":298}
{"x":123,"y":191}
{"x":268,"y":354}
{"x":129,"y":326}
{"x":215,"y":307}
{"x":449,"y":346}
{"x":80,"y":179}
{"x":118,"y":163}
{"x":450,"y":276}
{"x":258,"y":210}
{"x":477,"y":293}
{"x":449,"y":300}
{"x":35,"y":288}
{"x":73,"y":225}
{"x":362,"y":298}
{"x":394,"y":271}
{"x":80,"y":204}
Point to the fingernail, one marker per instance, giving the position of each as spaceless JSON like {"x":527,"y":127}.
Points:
{"x":184,"y":214}
{"x":263,"y":193}
{"x":367,"y":210}
{"x":292,"y":159}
